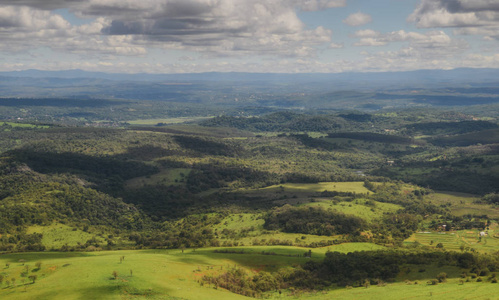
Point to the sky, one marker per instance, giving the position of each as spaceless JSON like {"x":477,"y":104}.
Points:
{"x":277,"y":36}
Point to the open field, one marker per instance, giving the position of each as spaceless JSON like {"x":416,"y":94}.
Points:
{"x":171,"y":274}
{"x":246,"y":229}
{"x":463,"y":204}
{"x":241,"y":221}
{"x":358,"y":207}
{"x":165,"y":177}
{"x":165,"y":121}
{"x":345,"y":187}
{"x":23,"y":125}
{"x":58,"y":235}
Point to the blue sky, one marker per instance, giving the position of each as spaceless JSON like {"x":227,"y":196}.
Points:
{"x":284,"y":36}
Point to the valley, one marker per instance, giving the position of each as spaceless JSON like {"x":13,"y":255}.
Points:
{"x":230,"y":206}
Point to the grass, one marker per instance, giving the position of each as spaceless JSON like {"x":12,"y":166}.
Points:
{"x":241,"y":221}
{"x":24,"y":125}
{"x":358,"y":208}
{"x":351,"y":187}
{"x":178,"y":120}
{"x":469,"y":239}
{"x":165,"y":177}
{"x":57,"y":235}
{"x":155,"y":275}
{"x":171,"y":274}
{"x":452,"y":289}
{"x":252,"y":224}
{"x":295,"y":238}
{"x":463,"y":204}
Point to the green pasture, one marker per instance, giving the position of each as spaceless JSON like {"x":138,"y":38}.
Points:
{"x":142,"y":274}
{"x":296,"y":252}
{"x":166,"y":121}
{"x":241,"y":221}
{"x":23,"y":125}
{"x":57,"y":235}
{"x":264,"y":237}
{"x":452,"y":289}
{"x":171,"y":274}
{"x":252,"y":225}
{"x":359,"y":207}
{"x":347,"y":187}
{"x":463,"y":204}
{"x":165,"y":177}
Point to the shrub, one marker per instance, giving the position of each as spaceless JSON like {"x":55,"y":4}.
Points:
{"x":442,"y":277}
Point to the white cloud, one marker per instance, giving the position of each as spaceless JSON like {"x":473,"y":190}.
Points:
{"x":358,"y":19}
{"x":236,"y":35}
{"x":25,"y":19}
{"x":480,"y":17}
{"x":24,"y":28}
{"x":366,"y":33}
{"x":336,"y":46}
{"x":223,"y":27}
{"x":211,"y":27}
{"x":367,"y":42}
{"x":314,"y":5}
{"x":436,"y":40}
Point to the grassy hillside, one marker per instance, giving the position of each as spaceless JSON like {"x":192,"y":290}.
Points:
{"x":171,"y":274}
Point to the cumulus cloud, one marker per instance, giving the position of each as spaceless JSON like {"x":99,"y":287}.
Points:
{"x":26,"y":28}
{"x":20,"y":27}
{"x":479,"y":17}
{"x":212,"y":27}
{"x":358,"y":19}
{"x":433,"y":43}
{"x":44,"y":4}
{"x":336,"y":46}
{"x":27,"y":19}
{"x":237,"y":28}
{"x":222,"y":27}
{"x":314,"y":5}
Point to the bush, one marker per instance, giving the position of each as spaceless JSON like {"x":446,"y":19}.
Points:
{"x":442,"y":277}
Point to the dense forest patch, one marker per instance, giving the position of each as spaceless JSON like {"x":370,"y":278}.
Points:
{"x":312,"y":220}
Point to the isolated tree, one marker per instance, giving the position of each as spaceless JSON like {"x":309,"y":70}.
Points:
{"x":1,"y":279}
{"x":7,"y":265}
{"x":115,"y":274}
{"x":38,"y":265}
{"x":33,"y":278}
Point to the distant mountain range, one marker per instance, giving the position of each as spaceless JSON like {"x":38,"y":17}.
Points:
{"x":468,"y":75}
{"x":422,"y":87}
